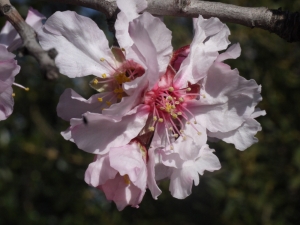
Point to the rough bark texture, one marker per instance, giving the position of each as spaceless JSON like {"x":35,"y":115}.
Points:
{"x":28,"y":35}
{"x":282,"y":23}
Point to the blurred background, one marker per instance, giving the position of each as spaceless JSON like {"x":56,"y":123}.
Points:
{"x":41,"y":174}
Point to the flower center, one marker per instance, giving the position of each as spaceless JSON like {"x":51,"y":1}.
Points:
{"x":112,"y":84}
{"x":168,"y":106}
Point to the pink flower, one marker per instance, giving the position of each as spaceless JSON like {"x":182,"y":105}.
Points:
{"x":202,"y":94}
{"x":10,"y":41}
{"x":198,"y":97}
{"x":122,"y":76}
{"x":121,"y":174}
{"x":8,"y":70}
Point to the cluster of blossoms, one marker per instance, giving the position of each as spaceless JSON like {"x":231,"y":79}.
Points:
{"x":154,"y":109}
{"x":9,"y":42}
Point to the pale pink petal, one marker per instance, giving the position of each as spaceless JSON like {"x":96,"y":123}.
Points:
{"x":6,"y":103}
{"x":161,"y":38}
{"x":128,"y":160}
{"x":233,"y":52}
{"x":8,"y":68}
{"x":101,"y":132}
{"x":99,"y":171}
{"x":118,"y":110}
{"x":79,"y":49}
{"x":121,"y":193}
{"x":206,"y":160}
{"x":129,"y":11}
{"x":220,"y":107}
{"x":211,"y":36}
{"x":34,"y":18}
{"x":195,"y":132}
{"x":181,"y":181}
{"x":151,"y":182}
{"x":147,"y":49}
{"x":243,"y":136}
{"x":72,"y":105}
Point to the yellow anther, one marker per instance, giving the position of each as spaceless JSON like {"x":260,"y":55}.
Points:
{"x":179,"y":113}
{"x":181,"y":99}
{"x":173,"y":106}
{"x":126,"y":179}
{"x":160,"y":120}
{"x":188,"y":122}
{"x":168,"y":107}
{"x":161,"y":108}
{"x":118,"y":90}
{"x":27,"y":89}
{"x":169,"y":97}
{"x":170,"y":128}
{"x":183,"y":138}
{"x":177,"y":102}
{"x":104,"y":75}
{"x":151,"y":128}
{"x":123,"y":49}
{"x":199,"y":133}
{"x":120,"y":96}
{"x":108,"y":103}
{"x":171,"y":89}
{"x":95,"y":81}
{"x":155,"y":118}
{"x":100,"y":99}
{"x":181,"y":131}
{"x":122,"y":78}
{"x":188,"y":89}
{"x":103,"y":109}
{"x":13,"y":94}
{"x":176,"y":135}
{"x":102,"y":59}
{"x":171,"y":147}
{"x":204,"y":96}
{"x":195,"y":122}
{"x":174,"y":116}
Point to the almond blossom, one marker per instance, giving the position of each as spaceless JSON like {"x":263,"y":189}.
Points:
{"x":10,"y":41}
{"x":154,"y":109}
{"x":8,"y":70}
{"x":200,"y":97}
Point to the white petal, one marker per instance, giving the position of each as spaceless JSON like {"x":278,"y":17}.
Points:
{"x":79,"y":49}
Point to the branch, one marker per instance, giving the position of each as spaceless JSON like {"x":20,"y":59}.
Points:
{"x":28,"y":35}
{"x":283,"y":23}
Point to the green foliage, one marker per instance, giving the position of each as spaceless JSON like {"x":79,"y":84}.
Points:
{"x":41,"y":174}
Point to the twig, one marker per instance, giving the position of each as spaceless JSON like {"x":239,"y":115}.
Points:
{"x":28,"y":35}
{"x":283,"y":23}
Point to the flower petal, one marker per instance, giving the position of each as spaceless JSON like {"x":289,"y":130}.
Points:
{"x":121,"y":193}
{"x":145,"y":46}
{"x":99,"y":171}
{"x":243,"y":136}
{"x":151,"y":182}
{"x":101,"y":132}
{"x":6,"y":103}
{"x":128,"y":160}
{"x":181,"y":181}
{"x":206,"y":160}
{"x":72,"y":105}
{"x":211,"y":36}
{"x":80,"y":50}
{"x":129,"y":11}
